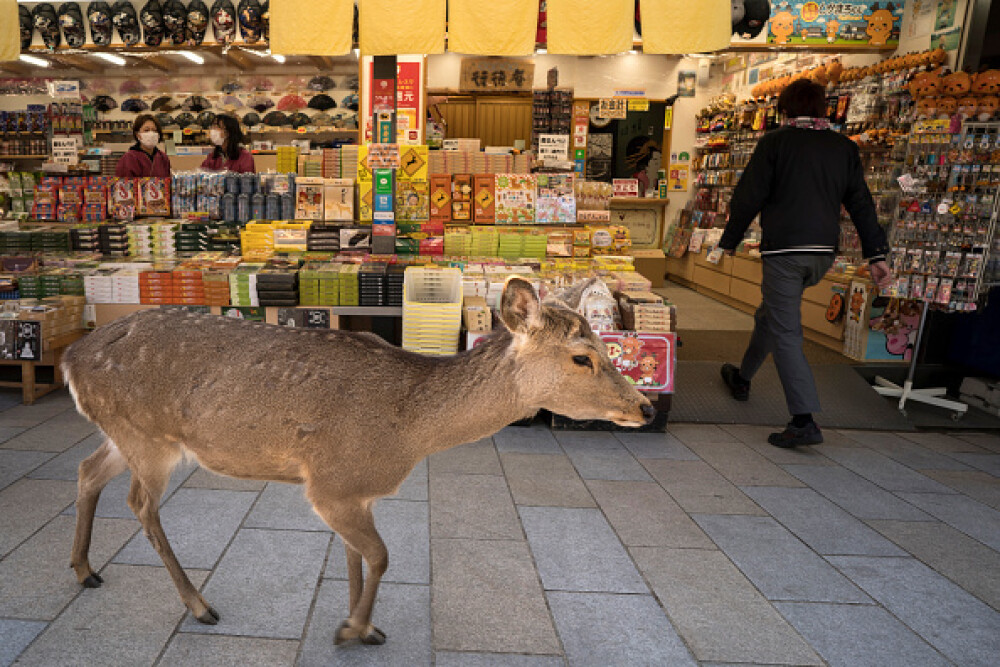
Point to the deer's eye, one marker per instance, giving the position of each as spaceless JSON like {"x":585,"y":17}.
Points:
{"x":583,"y":360}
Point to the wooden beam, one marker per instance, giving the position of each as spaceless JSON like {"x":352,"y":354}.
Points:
{"x":161,"y":63}
{"x":240,"y":60}
{"x":79,"y":62}
{"x":17,"y":68}
{"x":322,"y":62}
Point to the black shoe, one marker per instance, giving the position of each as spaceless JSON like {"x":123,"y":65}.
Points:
{"x":738,"y":387}
{"x":793,"y":436}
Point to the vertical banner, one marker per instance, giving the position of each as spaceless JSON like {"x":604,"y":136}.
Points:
{"x":411,"y":95}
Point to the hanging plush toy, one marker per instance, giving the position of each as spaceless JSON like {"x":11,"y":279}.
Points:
{"x":988,"y":107}
{"x":749,"y":17}
{"x":925,"y":84}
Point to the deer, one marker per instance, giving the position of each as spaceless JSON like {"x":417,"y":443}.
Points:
{"x":345,"y":414}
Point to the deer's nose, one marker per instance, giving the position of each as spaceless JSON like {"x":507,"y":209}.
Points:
{"x":648,"y":413}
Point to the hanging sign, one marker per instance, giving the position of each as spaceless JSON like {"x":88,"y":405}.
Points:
{"x":612,"y":107}
{"x":499,"y":74}
{"x":857,"y":23}
{"x":553,"y":147}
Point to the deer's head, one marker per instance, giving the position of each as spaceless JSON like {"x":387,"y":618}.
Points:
{"x":562,"y":366}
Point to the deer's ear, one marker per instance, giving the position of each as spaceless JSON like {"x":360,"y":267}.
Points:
{"x":519,"y":305}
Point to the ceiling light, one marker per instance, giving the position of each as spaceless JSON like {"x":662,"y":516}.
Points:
{"x":279,"y":58}
{"x":33,"y":60}
{"x":541,"y":52}
{"x":357,"y":53}
{"x":193,"y":57}
{"x":111,"y":58}
{"x":633,"y":52}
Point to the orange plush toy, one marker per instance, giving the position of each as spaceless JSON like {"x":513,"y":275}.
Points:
{"x":925,"y":84}
{"x":834,"y":70}
{"x":938,"y":57}
{"x":926,"y":108}
{"x":967,"y":106}
{"x":946,"y":106}
{"x":957,"y":84}
{"x":988,"y":107}
{"x":986,"y":83}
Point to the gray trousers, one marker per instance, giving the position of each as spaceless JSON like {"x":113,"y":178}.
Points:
{"x":778,"y":326}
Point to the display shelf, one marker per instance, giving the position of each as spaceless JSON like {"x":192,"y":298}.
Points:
{"x":369,"y":311}
{"x":23,"y":157}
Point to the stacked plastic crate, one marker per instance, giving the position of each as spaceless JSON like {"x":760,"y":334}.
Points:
{"x":432,"y":310}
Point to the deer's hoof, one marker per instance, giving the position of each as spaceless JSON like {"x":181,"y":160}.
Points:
{"x":344,"y":633}
{"x":371,"y":636}
{"x":93,"y":580}
{"x":374,"y":637}
{"x":208,"y":617}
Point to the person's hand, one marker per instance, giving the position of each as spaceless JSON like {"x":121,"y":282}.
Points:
{"x":881,"y":274}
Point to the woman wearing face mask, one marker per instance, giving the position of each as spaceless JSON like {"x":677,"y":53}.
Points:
{"x":229,"y":154}
{"x":144,"y":159}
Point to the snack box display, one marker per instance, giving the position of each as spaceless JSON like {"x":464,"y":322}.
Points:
{"x":485,"y":198}
{"x":515,"y":199}
{"x":440,"y":197}
{"x":461,"y":198}
{"x":338,"y":199}
{"x":412,"y":200}
{"x":309,"y":198}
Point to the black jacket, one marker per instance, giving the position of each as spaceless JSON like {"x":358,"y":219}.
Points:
{"x":797,"y":179}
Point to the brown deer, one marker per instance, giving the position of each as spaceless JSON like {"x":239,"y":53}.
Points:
{"x":345,"y":414}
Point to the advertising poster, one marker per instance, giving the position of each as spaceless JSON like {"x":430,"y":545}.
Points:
{"x":646,"y":360}
{"x":945,"y":14}
{"x":860,"y":23}
{"x":947,"y":39}
{"x":686,"y":83}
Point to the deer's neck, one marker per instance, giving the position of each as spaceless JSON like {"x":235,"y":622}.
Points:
{"x":475,"y":395}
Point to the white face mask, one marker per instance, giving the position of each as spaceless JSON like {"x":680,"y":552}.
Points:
{"x":216,"y":136}
{"x":149,"y":139}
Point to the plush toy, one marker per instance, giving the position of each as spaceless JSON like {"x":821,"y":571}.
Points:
{"x":988,"y":107}
{"x":926,"y":107}
{"x":967,"y":106}
{"x":834,"y":70}
{"x":946,"y":106}
{"x":986,"y":83}
{"x":957,"y":83}
{"x":819,"y":75}
{"x":925,"y":84}
{"x":938,"y":57}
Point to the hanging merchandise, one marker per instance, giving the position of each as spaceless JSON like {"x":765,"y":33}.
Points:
{"x":291,"y":103}
{"x":251,"y":21}
{"x":322,"y":102}
{"x":73,"y":26}
{"x":260,"y":103}
{"x":162,"y":85}
{"x":197,"y":22}
{"x":131,"y":87}
{"x":101,"y":28}
{"x":164,"y":104}
{"x":261,"y":84}
{"x":250,"y":119}
{"x":165,"y":119}
{"x":151,"y":17}
{"x":299,"y":120}
{"x":231,"y":102}
{"x":350,"y":102}
{"x":134,"y":105}
{"x":223,"y":21}
{"x":275,"y":119}
{"x":185,"y":119}
{"x":206,"y":119}
{"x":196,"y":103}
{"x":126,"y":22}
{"x":105,"y":103}
{"x":27,"y":26}
{"x":47,"y":24}
{"x":322,"y":120}
{"x":265,"y":20}
{"x":231,"y":86}
{"x":175,"y":21}
{"x":321,"y":83}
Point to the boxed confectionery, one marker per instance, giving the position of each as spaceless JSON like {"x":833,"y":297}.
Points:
{"x":477,"y":314}
{"x":309,"y":198}
{"x":461,"y":198}
{"x":485,"y":198}
{"x":515,"y":199}
{"x":338,"y":199}
{"x":412,"y":200}
{"x":555,"y":201}
{"x":440,"y":197}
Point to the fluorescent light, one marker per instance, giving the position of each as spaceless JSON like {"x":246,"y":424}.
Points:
{"x":33,"y":60}
{"x":193,"y":57}
{"x":357,"y":53}
{"x":279,"y":58}
{"x":541,"y":52}
{"x":111,"y":58}
{"x":633,"y":52}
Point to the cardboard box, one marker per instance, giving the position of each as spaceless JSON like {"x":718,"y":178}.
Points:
{"x":652,"y":264}
{"x":477,"y":314}
{"x":485,"y":198}
{"x":338,"y":199}
{"x":440,"y":197}
{"x":461,"y":198}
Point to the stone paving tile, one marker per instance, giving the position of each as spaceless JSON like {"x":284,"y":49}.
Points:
{"x":545,"y":479}
{"x":957,"y":624}
{"x":689,"y":433}
{"x":588,"y":441}
{"x":113,"y":505}
{"x":486,"y":597}
{"x":27,"y":505}
{"x":534,"y":439}
{"x":472,"y":506}
{"x":403,"y":525}
{"x":857,"y":635}
{"x":35,"y":579}
{"x":755,"y":437}
{"x":777,"y":563}
{"x":8,"y":432}
{"x":601,"y":629}
{"x":821,"y":524}
{"x":16,"y":637}
{"x":206,"y":479}
{"x":475,"y":458}
{"x":972,"y":518}
{"x":644,"y":515}
{"x":402,"y":612}
{"x":990,"y":441}
{"x":15,"y":464}
{"x":28,"y":416}
{"x":609,"y":464}
{"x":943,"y":443}
{"x":66,"y":465}
{"x":414,"y":487}
{"x":986,"y":462}
{"x":576,"y":550}
{"x":856,"y":494}
{"x":962,"y":559}
{"x":127,"y":621}
{"x":906,"y":452}
{"x":284,"y":507}
{"x":741,"y":465}
{"x":264,"y":584}
{"x":187,"y":649}
{"x":655,"y":446}
{"x":976,"y":484}
{"x":457,"y":659}
{"x":719,"y":614}
{"x":53,"y":435}
{"x":890,"y":475}
{"x":699,"y":488}
{"x":199,"y":524}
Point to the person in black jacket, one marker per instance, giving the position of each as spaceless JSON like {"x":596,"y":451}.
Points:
{"x":797,"y":179}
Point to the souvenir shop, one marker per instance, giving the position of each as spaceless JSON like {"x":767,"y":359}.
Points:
{"x":349,"y":166}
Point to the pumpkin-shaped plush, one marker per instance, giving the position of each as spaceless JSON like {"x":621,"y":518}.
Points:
{"x":946,"y":106}
{"x":988,"y":107}
{"x":925,"y":84}
{"x":986,"y":83}
{"x":967,"y":106}
{"x":956,"y":84}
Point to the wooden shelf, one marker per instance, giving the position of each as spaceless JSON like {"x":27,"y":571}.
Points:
{"x":625,"y":202}
{"x":23,"y":157}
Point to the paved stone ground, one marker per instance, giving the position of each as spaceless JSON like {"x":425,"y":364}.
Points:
{"x":702,"y":546}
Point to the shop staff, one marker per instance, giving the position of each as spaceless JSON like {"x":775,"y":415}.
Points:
{"x":144,"y":158}
{"x":229,"y":153}
{"x":797,"y":179}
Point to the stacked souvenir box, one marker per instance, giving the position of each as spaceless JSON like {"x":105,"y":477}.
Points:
{"x":277,"y":286}
{"x":394,"y":277}
{"x":457,"y":242}
{"x":113,"y":239}
{"x":191,"y":237}
{"x":319,"y":284}
{"x":331,"y":163}
{"x":350,"y":290}
{"x":323,"y":237}
{"x":216,"y":285}
{"x":485,"y":242}
{"x":243,"y":284}
{"x":371,"y":284}
{"x":85,"y":238}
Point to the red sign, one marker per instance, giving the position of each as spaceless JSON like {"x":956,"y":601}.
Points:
{"x":382,"y":94}
{"x":646,"y":360}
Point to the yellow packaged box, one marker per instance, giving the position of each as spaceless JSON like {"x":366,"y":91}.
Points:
{"x":477,"y":314}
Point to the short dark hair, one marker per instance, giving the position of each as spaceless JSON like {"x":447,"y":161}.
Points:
{"x":803,"y":98}
{"x":141,"y":120}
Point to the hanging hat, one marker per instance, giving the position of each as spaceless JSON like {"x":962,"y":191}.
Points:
{"x":131,"y":87}
{"x":185,"y":119}
{"x":164,"y":104}
{"x":251,"y":21}
{"x":126,"y":22}
{"x":350,"y":102}
{"x":206,"y":119}
{"x":265,"y":19}
{"x":105,"y":103}
{"x":275,"y":119}
{"x":164,"y":119}
{"x":151,"y":18}
{"x":74,"y":29}
{"x":261,"y":83}
{"x":101,"y":28}
{"x":260,"y":103}
{"x":27,"y":26}
{"x":231,"y":86}
{"x":223,"y":21}
{"x":175,"y":21}
{"x":321,"y":82}
{"x":299,"y":120}
{"x":47,"y":24}
{"x":196,"y":103}
{"x":197,"y":22}
{"x":291,"y":103}
{"x":322,"y":102}
{"x":231,"y":101}
{"x":134,"y":105}
{"x":250,"y":119}
{"x":322,"y":119}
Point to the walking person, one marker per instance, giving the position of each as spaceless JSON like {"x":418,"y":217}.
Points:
{"x":797,"y":179}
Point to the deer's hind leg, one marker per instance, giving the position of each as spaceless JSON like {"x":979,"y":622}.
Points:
{"x":95,"y":472}
{"x":150,"y":477}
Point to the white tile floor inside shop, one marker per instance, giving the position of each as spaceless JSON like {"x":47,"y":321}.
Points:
{"x":700,"y":546}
